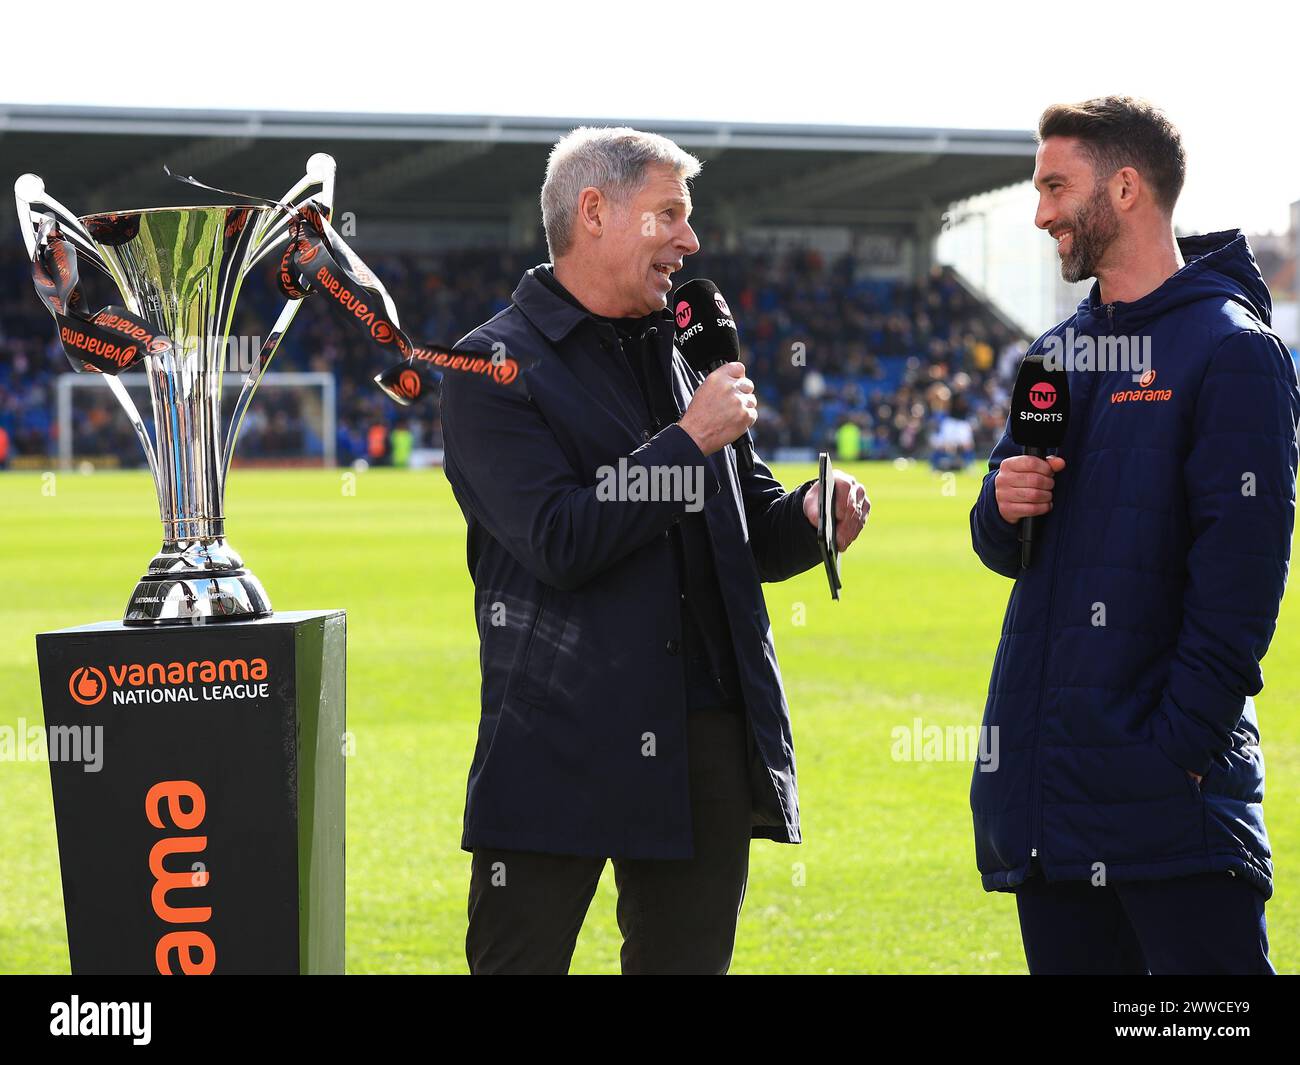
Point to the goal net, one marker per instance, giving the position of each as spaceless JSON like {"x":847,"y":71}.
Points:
{"x":292,"y":420}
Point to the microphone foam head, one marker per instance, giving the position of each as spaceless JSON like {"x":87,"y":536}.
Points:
{"x":1040,"y":405}
{"x":705,"y":329}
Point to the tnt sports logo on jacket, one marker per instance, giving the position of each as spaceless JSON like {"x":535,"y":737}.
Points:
{"x":1144,"y":393}
{"x":683,"y":315}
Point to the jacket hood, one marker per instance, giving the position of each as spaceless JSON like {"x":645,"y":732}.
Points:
{"x":1217,"y":266}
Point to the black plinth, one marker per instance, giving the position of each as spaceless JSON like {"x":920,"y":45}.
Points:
{"x":210,"y":837}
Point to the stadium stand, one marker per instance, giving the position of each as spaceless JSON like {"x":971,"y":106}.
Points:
{"x":822,"y":238}
{"x":827,"y":343}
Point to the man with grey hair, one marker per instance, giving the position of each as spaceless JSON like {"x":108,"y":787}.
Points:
{"x":632,"y":708}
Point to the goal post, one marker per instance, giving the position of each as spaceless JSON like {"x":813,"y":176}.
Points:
{"x":289,"y":406}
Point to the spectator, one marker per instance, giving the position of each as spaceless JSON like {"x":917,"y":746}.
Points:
{"x":828,"y":345}
{"x":848,"y":441}
{"x":403,"y":440}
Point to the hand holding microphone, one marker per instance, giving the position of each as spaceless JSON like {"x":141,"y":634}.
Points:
{"x":1023,"y":486}
{"x":722,"y":409}
{"x":1040,"y":416}
{"x":710,"y":343}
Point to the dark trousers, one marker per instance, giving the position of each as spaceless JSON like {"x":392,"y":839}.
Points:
{"x":1208,"y":923}
{"x":525,"y":909}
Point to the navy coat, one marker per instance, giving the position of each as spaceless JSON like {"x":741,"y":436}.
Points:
{"x":1131,"y":648}
{"x":582,"y":741}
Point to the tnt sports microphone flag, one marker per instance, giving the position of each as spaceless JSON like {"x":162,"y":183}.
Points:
{"x":1040,"y":405}
{"x":110,"y":340}
{"x":1040,"y":415}
{"x":708,"y":338}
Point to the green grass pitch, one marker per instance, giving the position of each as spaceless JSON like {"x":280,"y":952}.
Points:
{"x":886,"y":881}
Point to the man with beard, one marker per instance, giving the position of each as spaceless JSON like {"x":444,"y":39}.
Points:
{"x":1126,"y":811}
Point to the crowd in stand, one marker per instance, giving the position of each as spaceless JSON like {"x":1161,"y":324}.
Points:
{"x":887,"y":368}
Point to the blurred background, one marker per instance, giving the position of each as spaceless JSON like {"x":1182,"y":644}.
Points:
{"x":826,"y":241}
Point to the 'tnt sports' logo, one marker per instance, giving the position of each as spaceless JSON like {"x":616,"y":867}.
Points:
{"x":1043,"y":395}
{"x":683,"y":315}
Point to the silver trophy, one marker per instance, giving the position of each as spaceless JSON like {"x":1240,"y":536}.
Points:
{"x":181,"y":269}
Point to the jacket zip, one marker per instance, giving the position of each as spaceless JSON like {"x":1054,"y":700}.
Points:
{"x":1035,"y":803}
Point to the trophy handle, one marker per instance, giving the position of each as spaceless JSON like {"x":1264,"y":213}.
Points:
{"x":270,"y":231}
{"x":274,"y":227}
{"x":29,"y":190}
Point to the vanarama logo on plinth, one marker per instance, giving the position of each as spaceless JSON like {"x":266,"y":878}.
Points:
{"x":87,"y":685}
{"x":133,"y":683}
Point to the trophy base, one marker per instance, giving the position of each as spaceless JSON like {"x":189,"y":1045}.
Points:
{"x":200,"y":599}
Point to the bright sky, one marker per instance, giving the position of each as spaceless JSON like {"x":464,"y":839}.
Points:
{"x":1227,"y":74}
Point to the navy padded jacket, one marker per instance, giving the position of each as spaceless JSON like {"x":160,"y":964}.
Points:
{"x":1131,"y":648}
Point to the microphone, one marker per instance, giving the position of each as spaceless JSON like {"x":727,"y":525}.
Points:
{"x":1040,"y":414}
{"x":707,"y":336}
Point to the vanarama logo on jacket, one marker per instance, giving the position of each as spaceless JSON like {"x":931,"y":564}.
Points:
{"x":1144,"y":393}
{"x":1130,"y":655}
